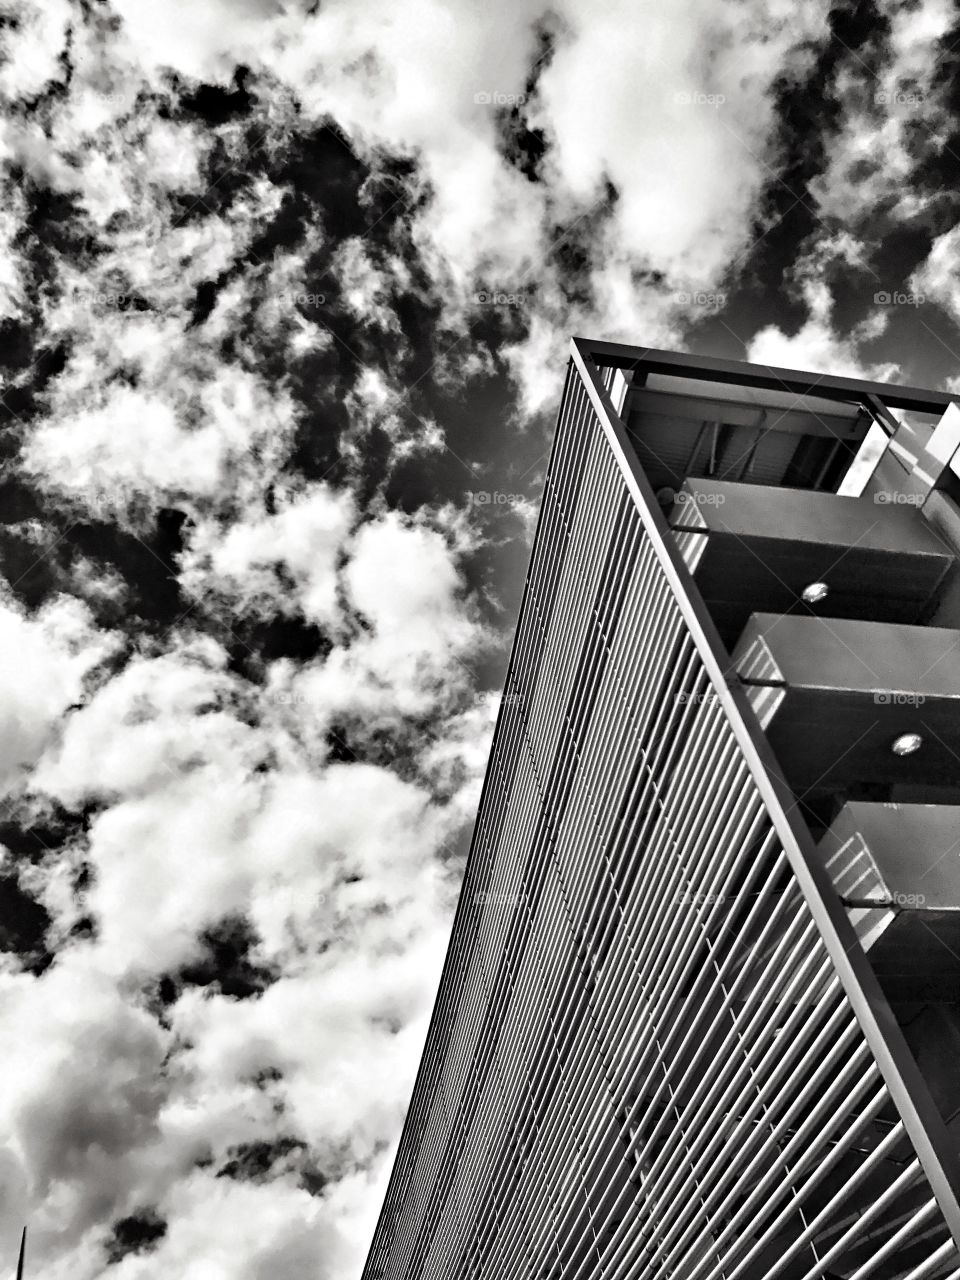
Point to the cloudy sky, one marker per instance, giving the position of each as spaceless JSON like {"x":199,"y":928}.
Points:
{"x":285,"y":295}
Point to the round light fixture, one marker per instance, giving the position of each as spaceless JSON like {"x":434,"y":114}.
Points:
{"x":814,"y":593}
{"x":906,"y":744}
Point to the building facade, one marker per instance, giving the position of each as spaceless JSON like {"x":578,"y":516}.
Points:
{"x":700,"y":1012}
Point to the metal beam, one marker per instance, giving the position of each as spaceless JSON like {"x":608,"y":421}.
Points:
{"x":618,"y":355}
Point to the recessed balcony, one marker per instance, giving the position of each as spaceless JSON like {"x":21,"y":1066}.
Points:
{"x":849,"y":703}
{"x":757,"y":548}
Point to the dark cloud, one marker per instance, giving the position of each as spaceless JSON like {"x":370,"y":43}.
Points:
{"x":23,"y":925}
{"x":138,"y":1233}
{"x":227,"y":964}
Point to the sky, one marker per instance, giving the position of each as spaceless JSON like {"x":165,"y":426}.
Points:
{"x":286,"y":292}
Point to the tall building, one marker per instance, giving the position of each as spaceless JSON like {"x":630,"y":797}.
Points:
{"x":700,"y":1013}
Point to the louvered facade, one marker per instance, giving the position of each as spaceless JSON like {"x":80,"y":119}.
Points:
{"x":670,"y":1039}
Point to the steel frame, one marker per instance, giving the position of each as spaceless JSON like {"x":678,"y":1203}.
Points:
{"x":682,"y":364}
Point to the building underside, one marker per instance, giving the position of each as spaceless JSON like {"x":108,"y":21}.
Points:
{"x":700,"y":1013}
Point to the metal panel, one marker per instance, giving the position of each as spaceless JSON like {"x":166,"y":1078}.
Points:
{"x":903,"y":856}
{"x":845,"y":691}
{"x":897,"y":870}
{"x":755,"y":548}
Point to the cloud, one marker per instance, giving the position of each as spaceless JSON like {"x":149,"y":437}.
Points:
{"x":409,"y":658}
{"x":221,"y":1229}
{"x":891,"y":123}
{"x":174,"y":439}
{"x":367,"y":288}
{"x":664,"y":123}
{"x":337,"y":872}
{"x":13,"y":1203}
{"x":283,"y":562}
{"x":82,"y":1096}
{"x":33,"y":55}
{"x":656,"y":153}
{"x":12,"y":276}
{"x":44,"y":660}
{"x":818,"y":345}
{"x":938,"y":276}
{"x":373,"y":1008}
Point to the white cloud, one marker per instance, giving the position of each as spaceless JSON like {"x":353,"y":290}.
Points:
{"x":410,"y":658}
{"x":338,"y":873}
{"x":12,"y":282}
{"x":818,"y":346}
{"x":685,"y":137}
{"x":13,"y":1202}
{"x":891,"y":120}
{"x":372,"y":1009}
{"x":200,"y":41}
{"x":456,"y":762}
{"x":367,"y":288}
{"x":32,"y":54}
{"x":303,"y":537}
{"x":344,"y":1026}
{"x":82,"y":1094}
{"x":938,"y":276}
{"x":43,"y":661}
{"x":131,"y":731}
{"x":184,"y":436}
{"x":227,"y":1230}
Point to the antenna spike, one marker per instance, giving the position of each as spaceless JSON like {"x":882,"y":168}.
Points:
{"x":23,"y":1254}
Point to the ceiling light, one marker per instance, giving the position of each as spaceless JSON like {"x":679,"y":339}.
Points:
{"x":814,"y":593}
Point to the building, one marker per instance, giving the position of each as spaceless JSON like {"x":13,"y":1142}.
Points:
{"x":700,"y":1012}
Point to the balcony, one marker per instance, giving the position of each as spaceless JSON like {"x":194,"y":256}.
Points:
{"x":756,"y":548}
